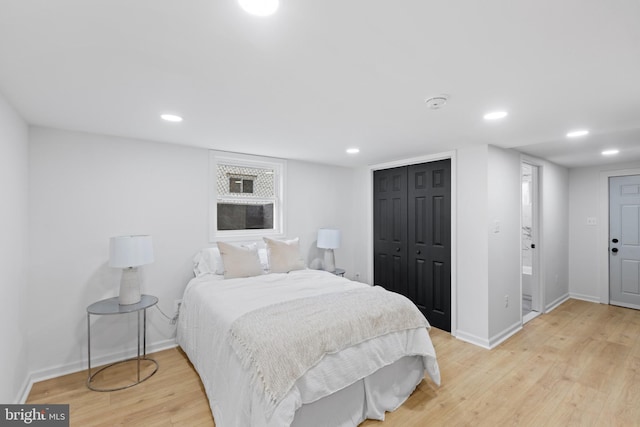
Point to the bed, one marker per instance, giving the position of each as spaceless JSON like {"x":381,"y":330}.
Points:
{"x":301,"y":348}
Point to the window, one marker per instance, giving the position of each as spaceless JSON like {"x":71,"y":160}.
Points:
{"x":241,"y":184}
{"x":247,"y":196}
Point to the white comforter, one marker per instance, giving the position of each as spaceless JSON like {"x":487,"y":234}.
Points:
{"x":211,"y":304}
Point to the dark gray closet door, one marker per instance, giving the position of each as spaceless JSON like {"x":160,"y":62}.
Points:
{"x":429,"y":238}
{"x":412,"y":236}
{"x":390,"y":229}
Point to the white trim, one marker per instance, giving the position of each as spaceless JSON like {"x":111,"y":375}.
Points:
{"x":414,"y":160}
{"x":60,"y":370}
{"x":540,"y":244}
{"x":498,"y":339}
{"x":555,"y":304}
{"x":26,"y":390}
{"x":454,"y":236}
{"x":279,"y":165}
{"x":473,"y":339}
{"x":603,"y":235}
{"x":530,"y":316}
{"x":583,"y":297}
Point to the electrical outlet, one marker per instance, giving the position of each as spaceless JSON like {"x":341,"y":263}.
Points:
{"x":506,"y":301}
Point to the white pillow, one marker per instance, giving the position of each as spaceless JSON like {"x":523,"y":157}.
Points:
{"x":240,"y":261}
{"x":208,"y":261}
{"x":284,"y":255}
{"x":262,"y":255}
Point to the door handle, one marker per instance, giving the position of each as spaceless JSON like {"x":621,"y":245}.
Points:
{"x":397,"y":249}
{"x":533,"y":246}
{"x":614,"y":250}
{"x":418,"y":252}
{"x":615,"y":240}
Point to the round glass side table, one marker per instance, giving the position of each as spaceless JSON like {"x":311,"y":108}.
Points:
{"x":111,"y":306}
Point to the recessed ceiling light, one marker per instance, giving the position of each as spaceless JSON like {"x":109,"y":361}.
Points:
{"x":495,"y":115}
{"x":577,"y":133}
{"x":353,"y":150}
{"x":610,"y":152}
{"x":260,"y":7}
{"x":171,"y":118}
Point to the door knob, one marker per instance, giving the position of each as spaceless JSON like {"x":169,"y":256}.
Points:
{"x":397,"y":249}
{"x":614,"y":250}
{"x":418,"y":252}
{"x":533,"y":246}
{"x":615,"y":240}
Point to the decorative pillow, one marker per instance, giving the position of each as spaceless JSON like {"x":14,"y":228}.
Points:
{"x":284,"y":255}
{"x":240,"y":261}
{"x":208,"y":261}
{"x":262,"y":255}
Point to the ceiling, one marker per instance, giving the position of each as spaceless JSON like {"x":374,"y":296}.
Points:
{"x":322,"y":76}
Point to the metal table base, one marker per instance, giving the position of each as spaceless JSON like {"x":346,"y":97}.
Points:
{"x":109,"y":307}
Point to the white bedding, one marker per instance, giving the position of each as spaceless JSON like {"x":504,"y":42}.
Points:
{"x":210,"y":305}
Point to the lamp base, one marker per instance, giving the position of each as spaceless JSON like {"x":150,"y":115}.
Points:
{"x":129,"y":287}
{"x":329,"y":260}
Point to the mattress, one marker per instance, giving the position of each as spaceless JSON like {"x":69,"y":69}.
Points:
{"x":361,"y":381}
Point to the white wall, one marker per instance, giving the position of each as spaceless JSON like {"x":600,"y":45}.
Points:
{"x":13,"y":252}
{"x":504,"y":234}
{"x":473,"y":246}
{"x":361,"y":206}
{"x":86,"y":188}
{"x":321,"y":196}
{"x":586,"y":247}
{"x":555,"y":233}
{"x":489,"y":261}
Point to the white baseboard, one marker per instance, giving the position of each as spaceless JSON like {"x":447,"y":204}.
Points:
{"x":472,"y":339}
{"x":24,"y":391}
{"x":582,"y":297}
{"x":492,"y":342}
{"x":530,"y":316}
{"x":554,"y":304}
{"x":497,"y":339}
{"x":81,"y":365}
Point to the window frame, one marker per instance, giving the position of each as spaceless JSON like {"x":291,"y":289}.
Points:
{"x":279,"y":167}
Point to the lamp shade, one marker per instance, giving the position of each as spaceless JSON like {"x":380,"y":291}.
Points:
{"x":328,"y":238}
{"x":130,"y":251}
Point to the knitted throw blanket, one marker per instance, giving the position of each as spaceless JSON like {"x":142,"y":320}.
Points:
{"x":280,"y":342}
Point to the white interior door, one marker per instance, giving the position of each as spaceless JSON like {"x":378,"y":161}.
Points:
{"x":624,"y":241}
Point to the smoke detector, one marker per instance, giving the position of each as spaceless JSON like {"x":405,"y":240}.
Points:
{"x":436,"y":102}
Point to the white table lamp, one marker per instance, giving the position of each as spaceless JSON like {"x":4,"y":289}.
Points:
{"x":329,"y":239}
{"x":128,"y":253}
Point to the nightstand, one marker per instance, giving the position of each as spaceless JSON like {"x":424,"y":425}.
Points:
{"x":109,"y":307}
{"x":339,"y":272}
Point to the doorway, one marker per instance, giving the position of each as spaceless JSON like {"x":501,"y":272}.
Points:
{"x":624,"y":241}
{"x":530,"y":247}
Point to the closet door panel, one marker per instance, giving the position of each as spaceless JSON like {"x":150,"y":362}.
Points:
{"x":429,"y":200}
{"x":390,"y":231}
{"x":439,"y":307}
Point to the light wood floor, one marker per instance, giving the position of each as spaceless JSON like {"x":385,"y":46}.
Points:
{"x":576,"y":366}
